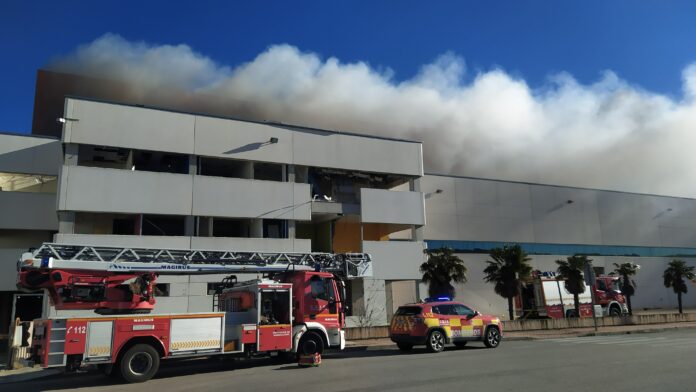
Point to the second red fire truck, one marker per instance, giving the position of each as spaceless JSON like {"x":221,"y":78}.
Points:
{"x":544,"y":296}
{"x":298,"y":307}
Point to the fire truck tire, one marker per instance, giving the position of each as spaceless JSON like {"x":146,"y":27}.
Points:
{"x":436,"y":341}
{"x":615,"y":311}
{"x":139,"y":363}
{"x":404,"y":346}
{"x":310,"y":343}
{"x":492,"y":337}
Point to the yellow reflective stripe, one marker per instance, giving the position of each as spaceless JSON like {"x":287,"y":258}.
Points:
{"x":195,"y":344}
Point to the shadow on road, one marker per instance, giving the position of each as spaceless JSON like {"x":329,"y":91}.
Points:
{"x":182,"y":368}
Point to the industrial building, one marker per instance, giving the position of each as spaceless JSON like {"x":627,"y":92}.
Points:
{"x":117,"y":173}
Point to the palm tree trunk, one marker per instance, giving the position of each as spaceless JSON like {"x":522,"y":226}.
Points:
{"x":628,"y":304}
{"x":679,"y":301}
{"x":576,"y":300}
{"x":510,"y":310}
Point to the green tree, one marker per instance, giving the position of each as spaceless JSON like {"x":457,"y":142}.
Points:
{"x":627,"y":286}
{"x":508,"y":267}
{"x":570,"y":271}
{"x":674,"y":276}
{"x":442,"y":268}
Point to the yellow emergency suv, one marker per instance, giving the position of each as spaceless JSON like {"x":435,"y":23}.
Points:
{"x":439,"y":321}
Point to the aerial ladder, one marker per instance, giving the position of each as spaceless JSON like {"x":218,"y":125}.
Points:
{"x":122,"y":280}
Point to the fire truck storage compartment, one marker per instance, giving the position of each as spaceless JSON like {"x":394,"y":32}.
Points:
{"x":275,"y":329}
{"x":99,"y":340}
{"x":196,"y":334}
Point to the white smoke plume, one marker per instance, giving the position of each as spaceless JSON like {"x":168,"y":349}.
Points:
{"x":608,"y":134}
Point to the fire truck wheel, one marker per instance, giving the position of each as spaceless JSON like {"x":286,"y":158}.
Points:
{"x":492,"y":337}
{"x":310,"y":343}
{"x":139,"y":363}
{"x":436,"y":341}
{"x":615,"y":311}
{"x":404,"y":346}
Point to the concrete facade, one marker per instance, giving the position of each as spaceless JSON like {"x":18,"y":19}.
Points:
{"x":218,"y":183}
{"x":134,"y":176}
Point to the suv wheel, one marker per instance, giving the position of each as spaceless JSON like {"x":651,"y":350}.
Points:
{"x":436,"y":342}
{"x":492,"y":337}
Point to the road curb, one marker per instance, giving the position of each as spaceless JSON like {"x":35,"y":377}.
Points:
{"x":27,"y":376}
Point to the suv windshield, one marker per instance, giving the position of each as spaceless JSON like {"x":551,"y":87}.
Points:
{"x":408,"y":311}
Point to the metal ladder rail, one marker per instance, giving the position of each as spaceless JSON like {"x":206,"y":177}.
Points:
{"x":352,"y":264}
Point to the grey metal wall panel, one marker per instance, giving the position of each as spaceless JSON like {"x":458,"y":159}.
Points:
{"x":384,"y":206}
{"x":125,"y":191}
{"x":490,"y":210}
{"x":395,"y":259}
{"x":325,"y":149}
{"x":495,"y":229}
{"x":28,"y":211}
{"x":242,"y":140}
{"x":442,"y":226}
{"x":127,"y":126}
{"x":233,"y":197}
{"x":30,"y":155}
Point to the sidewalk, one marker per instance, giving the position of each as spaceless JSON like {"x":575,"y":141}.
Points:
{"x":543,"y":334}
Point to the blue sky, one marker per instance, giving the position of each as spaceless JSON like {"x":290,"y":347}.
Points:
{"x":647,"y":43}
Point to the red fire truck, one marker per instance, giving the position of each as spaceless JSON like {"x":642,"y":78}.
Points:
{"x":298,"y":307}
{"x":545,"y":296}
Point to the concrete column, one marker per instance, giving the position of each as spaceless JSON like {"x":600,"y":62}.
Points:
{"x":248,"y":171}
{"x":374,"y":303}
{"x":256,"y":228}
{"x":193,"y":164}
{"x":190,"y":226}
{"x":417,"y":232}
{"x":289,"y":176}
{"x":66,"y":222}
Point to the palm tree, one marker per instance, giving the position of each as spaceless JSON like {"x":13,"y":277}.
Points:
{"x":441,"y":268}
{"x":570,"y":270}
{"x":510,"y":266}
{"x":627,"y":285}
{"x":674,"y":276}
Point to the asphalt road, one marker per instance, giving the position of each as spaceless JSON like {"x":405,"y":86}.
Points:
{"x":664,"y":361}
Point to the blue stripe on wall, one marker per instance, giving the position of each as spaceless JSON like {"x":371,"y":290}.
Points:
{"x":565,"y":249}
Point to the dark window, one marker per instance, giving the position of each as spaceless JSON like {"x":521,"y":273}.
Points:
{"x":268,"y":171}
{"x":462,"y":310}
{"x":230,"y":228}
{"x":160,"y":162}
{"x":124,"y":226}
{"x":162,"y":290}
{"x":275,"y":228}
{"x":321,"y":288}
{"x":213,"y":287}
{"x":408,"y":311}
{"x":224,"y":168}
{"x":163,"y":225}
{"x":444,"y":309}
{"x":601,"y":285}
